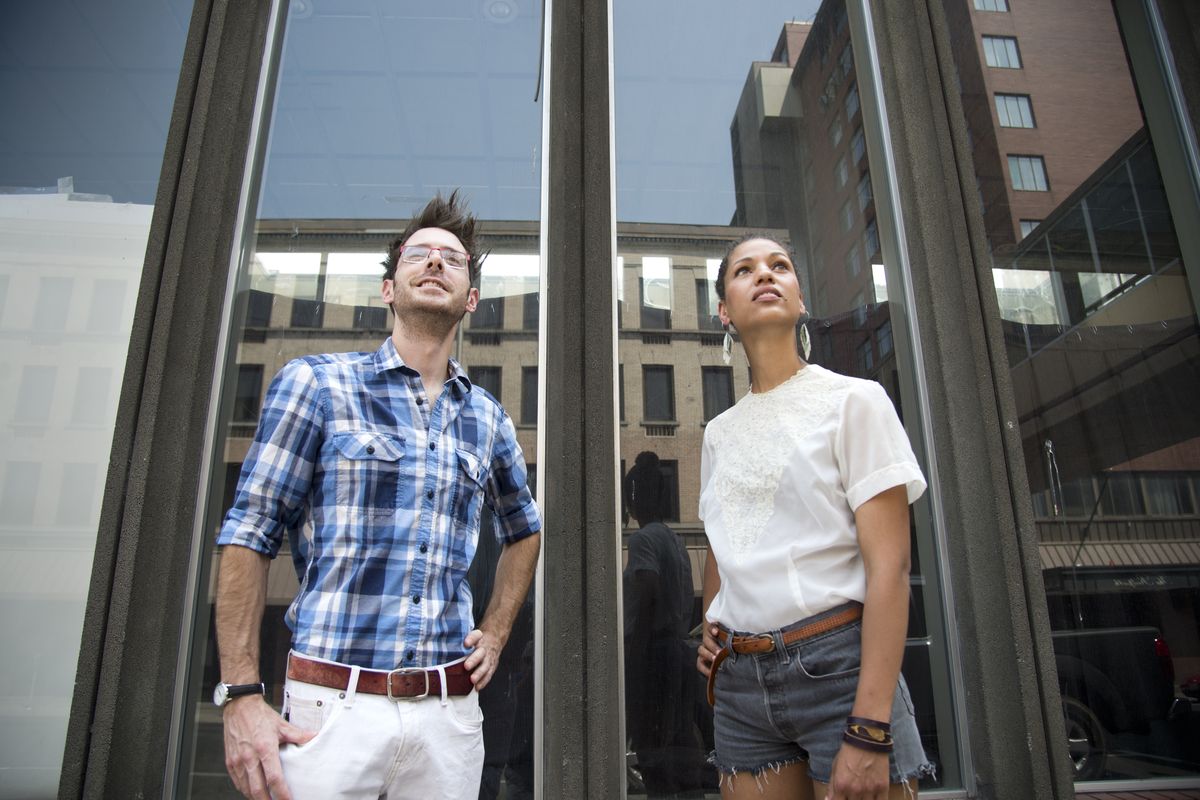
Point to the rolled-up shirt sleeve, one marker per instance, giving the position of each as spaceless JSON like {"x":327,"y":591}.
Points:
{"x":873,"y":451}
{"x":277,"y":473}
{"x":514,"y":511}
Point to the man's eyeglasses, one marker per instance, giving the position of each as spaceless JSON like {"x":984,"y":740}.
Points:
{"x":416,"y":253}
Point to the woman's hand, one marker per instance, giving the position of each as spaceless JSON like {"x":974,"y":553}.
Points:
{"x":708,"y":649}
{"x":858,"y":775}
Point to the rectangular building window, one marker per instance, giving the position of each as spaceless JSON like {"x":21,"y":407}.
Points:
{"x":486,"y":378}
{"x":370,"y":318}
{"x":1028,"y":173}
{"x":842,"y":172}
{"x":846,"y":216}
{"x":1001,"y":51}
{"x":871,"y":240}
{"x":488,"y":315}
{"x":529,"y":395}
{"x":621,"y":390}
{"x":258,"y":308}
{"x":865,"y":193}
{"x":531,"y":310}
{"x":1014,"y":111}
{"x":706,"y":306}
{"x":307,"y":313}
{"x":717,"y":384}
{"x":835,"y":132}
{"x":669,"y":468}
{"x":846,"y":60}
{"x":858,"y":146}
{"x":851,"y":102}
{"x":248,"y":397}
{"x":853,"y":262}
{"x":92,"y":389}
{"x":883,"y":335}
{"x":658,"y":392}
{"x":866,"y":357}
{"x":991,"y":5}
{"x":1028,"y":225}
{"x":107,"y":306}
{"x":35,"y":394}
{"x":53,"y":301}
{"x":656,"y":303}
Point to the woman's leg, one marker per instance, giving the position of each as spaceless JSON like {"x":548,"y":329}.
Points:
{"x":789,"y":783}
{"x":897,"y":791}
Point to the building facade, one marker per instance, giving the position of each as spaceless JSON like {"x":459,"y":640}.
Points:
{"x":993,"y":207}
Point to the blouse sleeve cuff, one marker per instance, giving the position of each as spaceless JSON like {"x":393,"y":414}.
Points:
{"x":906,"y":474}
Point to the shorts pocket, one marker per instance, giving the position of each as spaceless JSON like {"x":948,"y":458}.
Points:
{"x":834,"y":655}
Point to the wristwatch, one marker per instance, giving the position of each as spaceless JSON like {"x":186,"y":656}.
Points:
{"x":225,"y":692}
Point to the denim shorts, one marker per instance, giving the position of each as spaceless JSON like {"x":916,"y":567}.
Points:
{"x":789,"y":705}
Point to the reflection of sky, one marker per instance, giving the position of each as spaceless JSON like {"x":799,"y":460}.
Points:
{"x":680,"y":66}
{"x":382,"y":102}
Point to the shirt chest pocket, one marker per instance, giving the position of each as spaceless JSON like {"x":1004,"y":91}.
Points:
{"x":372,"y":470}
{"x":470,"y":478}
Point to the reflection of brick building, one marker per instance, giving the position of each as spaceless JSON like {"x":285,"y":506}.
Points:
{"x":1047,"y":97}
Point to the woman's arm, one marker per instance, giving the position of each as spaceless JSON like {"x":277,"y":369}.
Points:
{"x":883,"y":537}
{"x":708,"y":647}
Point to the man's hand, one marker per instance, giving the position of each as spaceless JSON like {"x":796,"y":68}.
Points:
{"x":253,"y":733}
{"x":708,"y":649}
{"x":858,"y":775}
{"x":482,"y":663}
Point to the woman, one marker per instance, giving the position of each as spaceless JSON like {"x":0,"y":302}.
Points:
{"x":805,"y":486}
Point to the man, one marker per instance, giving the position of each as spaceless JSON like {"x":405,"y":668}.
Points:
{"x":376,"y":466}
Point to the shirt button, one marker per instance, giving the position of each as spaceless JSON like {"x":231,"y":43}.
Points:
{"x":370,"y":449}
{"x":424,"y":547}
{"x":429,"y":494}
{"x":416,"y":599}
{"x":409,"y":655}
{"x":420,"y":401}
{"x":433,"y":445}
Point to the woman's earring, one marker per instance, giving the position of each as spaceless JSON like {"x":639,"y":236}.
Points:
{"x":727,"y":347}
{"x":805,"y":342}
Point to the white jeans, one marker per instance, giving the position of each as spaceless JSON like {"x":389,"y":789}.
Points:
{"x":369,"y":747}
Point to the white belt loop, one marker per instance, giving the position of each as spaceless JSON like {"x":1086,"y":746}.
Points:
{"x":351,"y":687}
{"x":441,"y":671}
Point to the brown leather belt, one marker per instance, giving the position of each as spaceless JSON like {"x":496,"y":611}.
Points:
{"x":765,"y":642}
{"x":410,"y":683}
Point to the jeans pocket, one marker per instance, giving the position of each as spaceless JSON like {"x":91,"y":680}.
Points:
{"x":837,"y":654}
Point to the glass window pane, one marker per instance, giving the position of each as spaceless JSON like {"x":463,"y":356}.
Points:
{"x":1094,"y":290}
{"x":379,"y":107}
{"x":796,"y":128}
{"x":87,"y":91}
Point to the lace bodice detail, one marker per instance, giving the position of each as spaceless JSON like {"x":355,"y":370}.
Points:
{"x":751,"y":444}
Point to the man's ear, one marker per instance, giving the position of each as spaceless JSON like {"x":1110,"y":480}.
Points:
{"x":472,"y":299}
{"x":388,"y":291}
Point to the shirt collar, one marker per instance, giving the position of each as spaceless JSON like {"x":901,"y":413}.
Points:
{"x":387,"y":358}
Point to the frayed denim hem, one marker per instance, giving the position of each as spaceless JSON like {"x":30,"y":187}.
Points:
{"x":760,"y":773}
{"x":926,"y":770}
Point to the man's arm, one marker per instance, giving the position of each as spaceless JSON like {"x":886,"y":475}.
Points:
{"x":514,"y":572}
{"x":253,"y":731}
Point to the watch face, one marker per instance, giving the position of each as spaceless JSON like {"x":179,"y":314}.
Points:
{"x":220,"y":694}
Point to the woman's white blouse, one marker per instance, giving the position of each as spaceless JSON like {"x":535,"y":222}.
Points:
{"x":781,"y":474}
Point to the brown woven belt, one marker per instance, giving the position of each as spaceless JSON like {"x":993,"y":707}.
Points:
{"x":765,"y":642}
{"x":410,"y":683}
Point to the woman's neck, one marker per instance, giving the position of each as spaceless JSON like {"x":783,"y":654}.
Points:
{"x":773,"y":359}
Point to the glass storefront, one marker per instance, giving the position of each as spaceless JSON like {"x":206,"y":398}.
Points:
{"x":79,"y":167}
{"x":370,"y":121}
{"x":1100,"y":329}
{"x":756,"y":125}
{"x":726,"y":119}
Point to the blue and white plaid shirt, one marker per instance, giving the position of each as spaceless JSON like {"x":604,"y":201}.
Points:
{"x":380,"y":495}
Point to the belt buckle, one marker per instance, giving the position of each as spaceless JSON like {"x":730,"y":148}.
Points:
{"x":405,"y":671}
{"x":770,"y":638}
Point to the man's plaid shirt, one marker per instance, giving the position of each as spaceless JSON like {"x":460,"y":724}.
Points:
{"x":380,"y":495}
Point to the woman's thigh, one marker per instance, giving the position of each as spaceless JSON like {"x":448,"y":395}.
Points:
{"x":789,"y":783}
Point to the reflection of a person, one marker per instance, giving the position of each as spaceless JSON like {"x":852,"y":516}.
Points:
{"x":804,"y":492}
{"x":660,"y":687}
